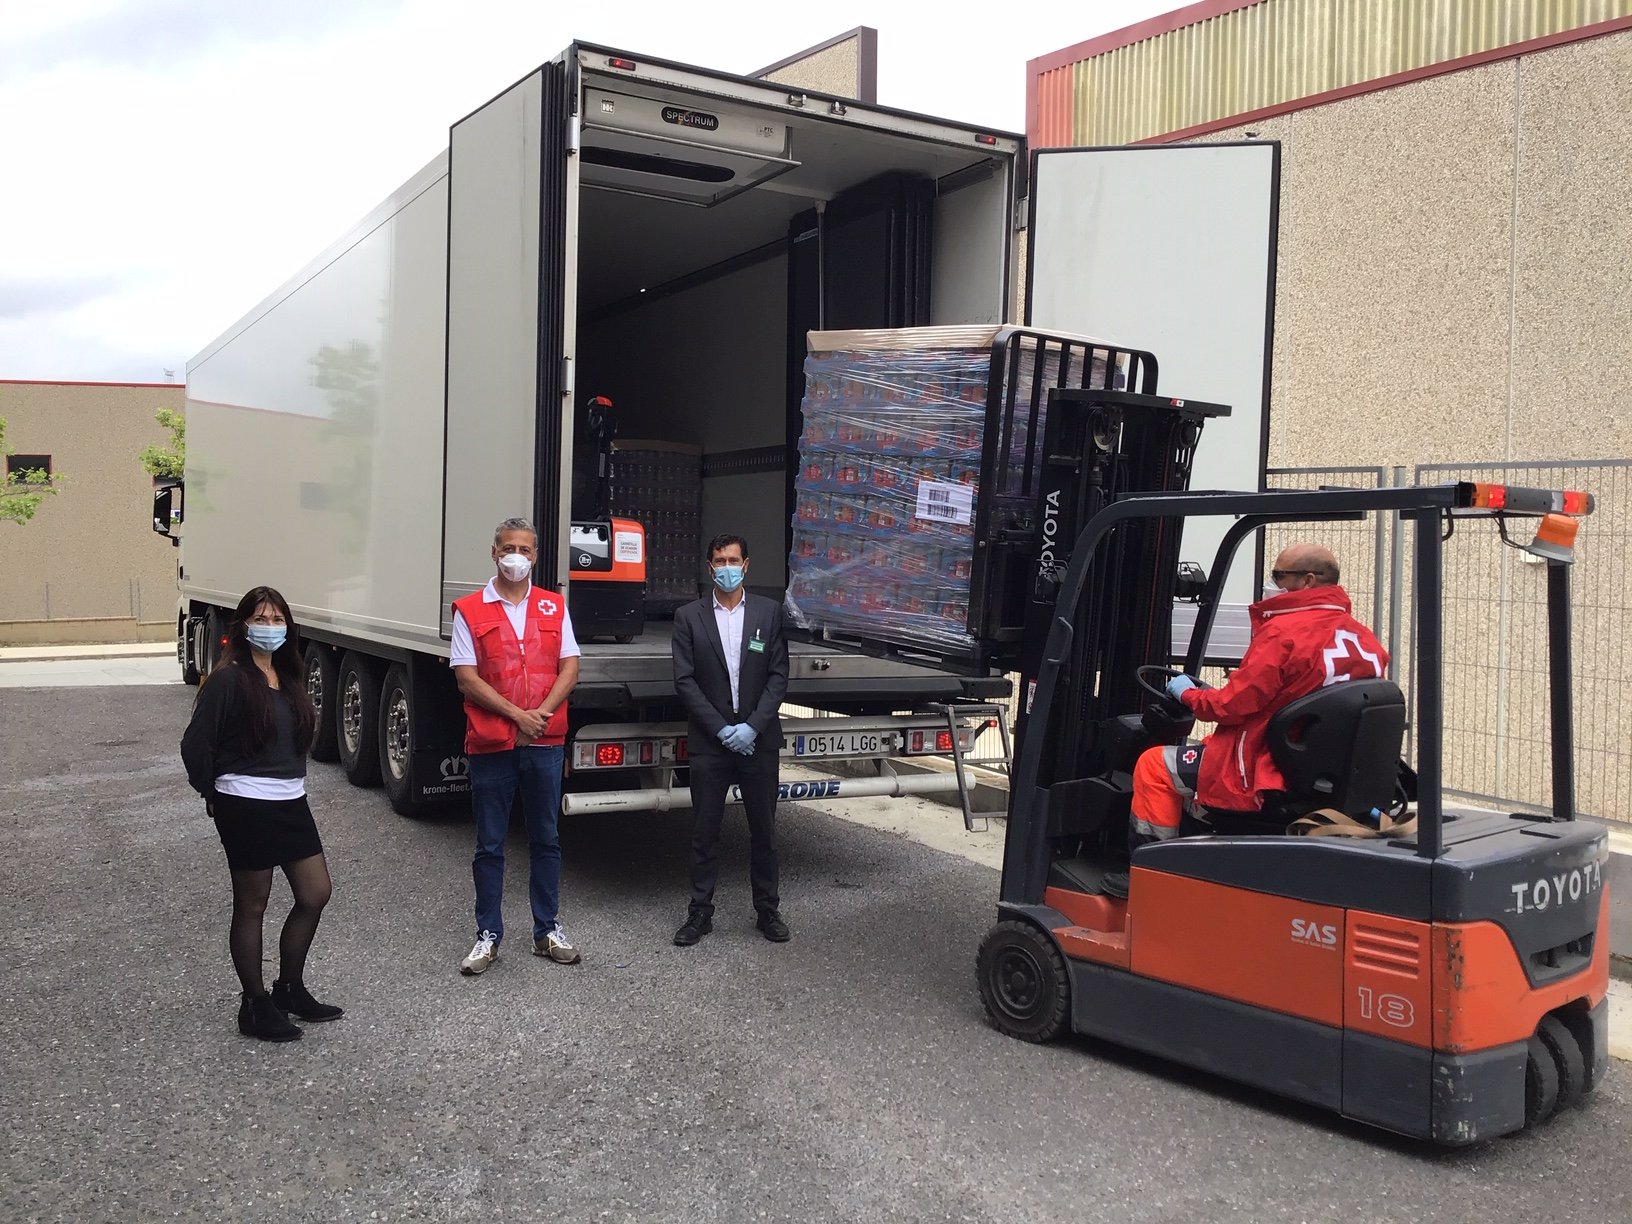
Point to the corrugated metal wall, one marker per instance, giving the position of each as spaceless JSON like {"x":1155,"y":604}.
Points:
{"x":1279,"y":51}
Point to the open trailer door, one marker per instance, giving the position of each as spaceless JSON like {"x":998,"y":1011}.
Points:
{"x":1171,"y":248}
{"x":508,"y":272}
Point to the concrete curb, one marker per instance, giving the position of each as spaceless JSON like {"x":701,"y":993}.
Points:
{"x":106,"y":650}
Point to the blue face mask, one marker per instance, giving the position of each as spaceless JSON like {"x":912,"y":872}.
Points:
{"x":266,"y":637}
{"x":728,"y":577}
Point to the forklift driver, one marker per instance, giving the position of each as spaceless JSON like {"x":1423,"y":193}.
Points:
{"x":1304,"y":637}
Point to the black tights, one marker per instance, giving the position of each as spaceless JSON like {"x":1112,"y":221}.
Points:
{"x":309,"y":881}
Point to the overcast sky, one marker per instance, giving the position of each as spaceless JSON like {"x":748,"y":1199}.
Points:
{"x":167,"y":163}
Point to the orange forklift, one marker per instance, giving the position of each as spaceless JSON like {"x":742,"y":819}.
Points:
{"x":1442,"y":975}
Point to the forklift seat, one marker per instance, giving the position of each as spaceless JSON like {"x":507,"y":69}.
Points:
{"x":1339,"y":748}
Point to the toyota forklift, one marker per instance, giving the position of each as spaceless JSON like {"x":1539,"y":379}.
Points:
{"x":1444,"y":973}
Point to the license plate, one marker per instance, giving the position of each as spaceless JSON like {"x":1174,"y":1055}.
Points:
{"x":846,"y":743}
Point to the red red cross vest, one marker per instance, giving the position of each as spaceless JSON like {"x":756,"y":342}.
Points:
{"x":522,"y":670}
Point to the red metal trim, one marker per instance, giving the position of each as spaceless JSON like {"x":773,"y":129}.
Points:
{"x":1190,"y":14}
{"x":59,"y":382}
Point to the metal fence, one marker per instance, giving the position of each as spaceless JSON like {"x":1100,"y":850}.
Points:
{"x":1497,"y":724}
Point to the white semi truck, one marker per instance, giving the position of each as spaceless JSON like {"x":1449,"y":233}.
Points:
{"x":610,"y":225}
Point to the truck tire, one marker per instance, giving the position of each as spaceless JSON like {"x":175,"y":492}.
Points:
{"x":358,"y":716}
{"x":210,"y":657}
{"x":1023,"y":982}
{"x":189,"y":636}
{"x":396,"y":740}
{"x":322,"y":685}
{"x":1572,"y":1065}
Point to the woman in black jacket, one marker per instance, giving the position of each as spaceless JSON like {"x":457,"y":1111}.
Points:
{"x":245,"y":752}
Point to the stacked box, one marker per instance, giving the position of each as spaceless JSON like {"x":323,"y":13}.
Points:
{"x":660,"y":486}
{"x":889,"y":473}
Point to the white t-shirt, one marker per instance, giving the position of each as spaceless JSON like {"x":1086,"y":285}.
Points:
{"x":463,"y":649}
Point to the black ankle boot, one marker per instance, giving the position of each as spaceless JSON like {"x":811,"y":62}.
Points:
{"x":259,"y":1017}
{"x":294,"y":998}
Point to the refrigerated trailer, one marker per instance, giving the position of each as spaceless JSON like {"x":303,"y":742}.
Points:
{"x":610,"y":225}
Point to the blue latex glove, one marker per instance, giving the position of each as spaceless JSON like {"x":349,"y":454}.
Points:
{"x":1177,"y":686}
{"x":742,"y":739}
{"x":725,"y":733}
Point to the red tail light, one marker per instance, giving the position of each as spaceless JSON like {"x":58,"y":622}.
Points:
{"x":609,"y":754}
{"x":943,"y":741}
{"x":680,"y":749}
{"x":647,"y":751}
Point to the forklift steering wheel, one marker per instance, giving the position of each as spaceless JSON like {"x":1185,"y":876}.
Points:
{"x":1153,"y":687}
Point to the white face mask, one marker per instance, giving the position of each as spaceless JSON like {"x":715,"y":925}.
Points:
{"x":515,"y":567}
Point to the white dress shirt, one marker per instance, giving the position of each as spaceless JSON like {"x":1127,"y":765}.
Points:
{"x":730,"y":622}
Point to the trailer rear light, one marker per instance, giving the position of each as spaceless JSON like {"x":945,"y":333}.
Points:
{"x":617,"y":61}
{"x":983,"y":138}
{"x":943,"y":741}
{"x":915,"y":742}
{"x":608,"y":755}
{"x":680,"y":749}
{"x":648,"y":751}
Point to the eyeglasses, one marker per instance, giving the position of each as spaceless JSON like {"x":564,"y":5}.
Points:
{"x":1276,"y":575}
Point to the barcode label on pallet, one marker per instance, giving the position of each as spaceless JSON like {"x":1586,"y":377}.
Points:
{"x":942,"y":501}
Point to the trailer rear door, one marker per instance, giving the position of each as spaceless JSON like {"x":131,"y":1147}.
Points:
{"x":1171,"y":248}
{"x":508,"y":267}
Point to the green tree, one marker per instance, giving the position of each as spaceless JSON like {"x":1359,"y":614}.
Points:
{"x":21,"y":492}
{"x":168,"y":461}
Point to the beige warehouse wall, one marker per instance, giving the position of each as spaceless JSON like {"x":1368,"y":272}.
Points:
{"x":88,"y":567}
{"x":1452,"y":282}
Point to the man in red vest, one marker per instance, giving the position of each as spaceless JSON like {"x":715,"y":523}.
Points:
{"x":1304,"y":637}
{"x":516,"y":659}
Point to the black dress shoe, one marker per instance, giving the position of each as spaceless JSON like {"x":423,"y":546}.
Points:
{"x":771,"y":926}
{"x":259,"y":1017}
{"x":696,"y":926}
{"x":296,"y":1000}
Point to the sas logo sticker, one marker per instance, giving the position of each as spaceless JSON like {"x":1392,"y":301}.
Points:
{"x":1315,"y":934}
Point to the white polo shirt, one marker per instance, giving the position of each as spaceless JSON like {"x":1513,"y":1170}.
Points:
{"x":463,"y":649}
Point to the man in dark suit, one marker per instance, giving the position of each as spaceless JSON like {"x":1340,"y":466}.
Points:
{"x":731,"y":670}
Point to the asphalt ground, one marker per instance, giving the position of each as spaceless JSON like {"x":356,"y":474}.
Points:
{"x":846,"y":1076}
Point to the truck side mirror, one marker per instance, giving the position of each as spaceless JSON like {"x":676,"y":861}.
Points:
{"x":1192,"y":582}
{"x":166,"y":511}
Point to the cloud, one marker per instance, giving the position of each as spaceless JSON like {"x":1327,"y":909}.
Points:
{"x":22,"y":295}
{"x":156,"y":34}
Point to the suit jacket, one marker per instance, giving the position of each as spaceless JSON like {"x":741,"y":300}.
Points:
{"x":701,"y":679}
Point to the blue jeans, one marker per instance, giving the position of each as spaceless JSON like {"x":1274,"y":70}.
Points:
{"x":495,"y":777}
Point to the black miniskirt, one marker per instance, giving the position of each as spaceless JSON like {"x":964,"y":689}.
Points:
{"x":262,"y":833}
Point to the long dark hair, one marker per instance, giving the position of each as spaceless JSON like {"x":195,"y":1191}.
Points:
{"x":238,"y":661}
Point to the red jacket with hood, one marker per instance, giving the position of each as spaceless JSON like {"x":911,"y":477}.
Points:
{"x":1301,"y":641}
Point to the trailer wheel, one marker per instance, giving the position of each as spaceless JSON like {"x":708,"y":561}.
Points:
{"x":189,"y":637}
{"x":396,"y":736}
{"x":209,"y":658}
{"x":1540,"y":1083}
{"x":1566,"y":1054}
{"x":1023,"y":982}
{"x":359,"y":720}
{"x":322,"y":685}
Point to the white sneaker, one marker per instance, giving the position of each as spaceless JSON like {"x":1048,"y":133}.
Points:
{"x":557,"y":947}
{"x":481,"y":956}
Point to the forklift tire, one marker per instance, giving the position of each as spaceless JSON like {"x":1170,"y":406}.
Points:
{"x":358,"y":720}
{"x":322,"y":685}
{"x":1567,"y":1056}
{"x":1023,"y":982}
{"x":1580,"y":1026}
{"x":1540,"y":1084}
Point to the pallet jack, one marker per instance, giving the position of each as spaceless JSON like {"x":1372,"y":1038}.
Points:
{"x":1445,"y":979}
{"x":607,"y":556}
